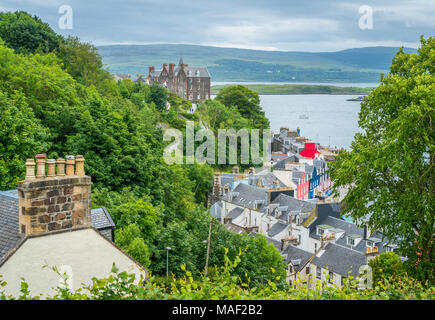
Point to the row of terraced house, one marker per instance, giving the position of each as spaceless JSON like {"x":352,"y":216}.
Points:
{"x":289,"y":202}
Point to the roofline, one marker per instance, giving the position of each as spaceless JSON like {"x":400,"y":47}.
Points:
{"x":22,"y":241}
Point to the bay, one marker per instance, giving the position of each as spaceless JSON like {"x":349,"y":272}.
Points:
{"x":332,"y":121}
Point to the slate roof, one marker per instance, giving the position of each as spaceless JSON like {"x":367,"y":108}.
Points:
{"x":293,"y":205}
{"x":278,"y":156}
{"x":9,"y":235}
{"x":235,"y":213}
{"x":101,"y":219}
{"x":216,"y":210}
{"x":295,"y":255}
{"x":246,"y":195}
{"x":281,"y":163}
{"x":329,"y":214}
{"x":277,"y":228}
{"x":275,"y":243}
{"x":268,"y":178}
{"x":339,"y":259}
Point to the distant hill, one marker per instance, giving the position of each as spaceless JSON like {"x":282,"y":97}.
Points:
{"x":229,"y":64}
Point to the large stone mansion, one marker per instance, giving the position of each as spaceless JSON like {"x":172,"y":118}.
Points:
{"x":190,"y":83}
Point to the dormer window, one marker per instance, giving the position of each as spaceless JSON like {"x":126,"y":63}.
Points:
{"x":370,"y":244}
{"x":320,"y":231}
{"x":350,"y":241}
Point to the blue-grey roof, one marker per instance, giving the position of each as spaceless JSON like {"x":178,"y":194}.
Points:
{"x":277,"y":228}
{"x":341,"y":260}
{"x":9,"y":235}
{"x":246,"y":195}
{"x":267,"y":179}
{"x":235,"y":213}
{"x":329,"y":214}
{"x":9,"y":231}
{"x":216,"y":210}
{"x":290,"y":204}
{"x":101,"y":219}
{"x":295,"y":255}
{"x":281,"y":163}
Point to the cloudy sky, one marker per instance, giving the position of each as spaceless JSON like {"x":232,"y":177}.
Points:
{"x":318,"y":25}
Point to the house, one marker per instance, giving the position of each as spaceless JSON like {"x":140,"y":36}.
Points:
{"x":52,"y":224}
{"x":190,"y":83}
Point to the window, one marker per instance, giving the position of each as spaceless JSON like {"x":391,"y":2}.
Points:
{"x":350,"y":241}
{"x":370,"y":244}
{"x":318,"y":272}
{"x":331,"y":277}
{"x":342,"y":280}
{"x":299,"y":238}
{"x":290,"y":269}
{"x":320,"y":231}
{"x":315,"y":247}
{"x":307,"y":270}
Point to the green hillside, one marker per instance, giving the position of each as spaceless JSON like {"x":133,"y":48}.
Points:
{"x":229,"y":64}
{"x":275,"y":89}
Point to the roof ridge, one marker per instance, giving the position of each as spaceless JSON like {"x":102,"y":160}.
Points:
{"x":340,"y":245}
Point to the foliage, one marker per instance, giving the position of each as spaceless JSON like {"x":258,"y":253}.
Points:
{"x":390,"y":170}
{"x":386,"y":265}
{"x":21,"y":136}
{"x":83,"y":62}
{"x":27,"y":34}
{"x":224,"y":285}
{"x":131,"y":239}
{"x":158,"y":96}
{"x":247,"y":102}
{"x":277,"y":89}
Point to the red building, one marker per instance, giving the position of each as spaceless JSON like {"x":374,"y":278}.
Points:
{"x":309,"y":151}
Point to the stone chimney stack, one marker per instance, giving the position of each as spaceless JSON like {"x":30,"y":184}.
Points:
{"x":54,"y":200}
{"x":217,"y":185}
{"x":235,"y":170}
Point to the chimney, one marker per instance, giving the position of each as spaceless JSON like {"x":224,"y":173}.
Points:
{"x":150,"y":69}
{"x":171,"y":68}
{"x":217,"y":185}
{"x":226,"y":188}
{"x":251,"y":170}
{"x":235,"y":170}
{"x":54,"y":201}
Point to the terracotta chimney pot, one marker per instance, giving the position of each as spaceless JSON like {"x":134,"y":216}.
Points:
{"x":51,"y":168}
{"x":70,"y":161}
{"x":80,"y":165}
{"x":60,"y":167}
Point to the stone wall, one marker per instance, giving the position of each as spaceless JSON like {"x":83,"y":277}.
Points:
{"x":52,"y":204}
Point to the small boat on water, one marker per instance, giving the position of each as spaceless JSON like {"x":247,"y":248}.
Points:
{"x":303,"y":116}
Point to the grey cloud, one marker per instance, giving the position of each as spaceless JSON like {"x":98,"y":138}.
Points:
{"x":317,"y":25}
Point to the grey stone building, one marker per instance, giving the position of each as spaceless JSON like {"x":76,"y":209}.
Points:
{"x":190,"y":83}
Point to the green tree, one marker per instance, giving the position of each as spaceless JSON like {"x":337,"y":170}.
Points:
{"x":130,"y":239}
{"x":21,"y":137}
{"x":247,"y":103}
{"x":27,"y":34}
{"x":159,"y":96}
{"x":390,"y":172}
{"x":82,"y":61}
{"x":385,"y":266}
